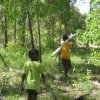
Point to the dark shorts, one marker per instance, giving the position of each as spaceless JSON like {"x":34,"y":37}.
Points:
{"x":66,"y":64}
{"x":32,"y":94}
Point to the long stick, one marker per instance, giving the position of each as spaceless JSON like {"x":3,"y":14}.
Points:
{"x":58,"y":49}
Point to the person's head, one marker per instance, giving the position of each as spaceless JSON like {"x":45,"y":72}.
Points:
{"x":33,"y":55}
{"x":64,"y":37}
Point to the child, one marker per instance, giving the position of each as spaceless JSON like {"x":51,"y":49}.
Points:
{"x":31,"y":75}
{"x":65,"y":55}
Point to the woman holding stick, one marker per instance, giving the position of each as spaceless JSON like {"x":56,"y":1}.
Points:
{"x":65,"y":49}
{"x":65,"y":55}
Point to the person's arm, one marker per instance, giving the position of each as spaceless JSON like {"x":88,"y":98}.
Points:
{"x":61,"y":41}
{"x":41,"y":71}
{"x":43,"y":78}
{"x":22,"y":81}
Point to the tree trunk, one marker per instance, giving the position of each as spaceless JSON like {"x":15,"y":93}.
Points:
{"x":65,"y":26}
{"x":30,"y":29}
{"x":38,"y":22}
{"x":52,"y":35}
{"x":59,"y":39}
{"x":23,"y":21}
{"x":90,"y":6}
{"x":15,"y":31}
{"x":23,"y":31}
{"x":67,"y":12}
{"x":5,"y":31}
{"x":49,"y":40}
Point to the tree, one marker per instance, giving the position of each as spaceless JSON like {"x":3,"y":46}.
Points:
{"x":77,"y":20}
{"x":93,"y":23}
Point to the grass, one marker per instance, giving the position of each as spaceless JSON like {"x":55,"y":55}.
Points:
{"x":57,"y":85}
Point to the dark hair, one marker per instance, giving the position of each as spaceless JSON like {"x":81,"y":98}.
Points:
{"x":65,"y":37}
{"x":33,"y":54}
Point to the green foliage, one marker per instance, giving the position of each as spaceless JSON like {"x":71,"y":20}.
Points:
{"x":16,"y":97}
{"x":53,"y":14}
{"x":14,"y":55}
{"x":84,"y":86}
{"x":79,"y":80}
{"x":91,"y":35}
{"x":77,"y":21}
{"x":93,"y":24}
{"x":95,"y":59}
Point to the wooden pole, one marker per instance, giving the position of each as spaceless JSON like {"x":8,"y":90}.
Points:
{"x":58,"y":49}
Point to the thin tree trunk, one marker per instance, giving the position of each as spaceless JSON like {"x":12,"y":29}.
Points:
{"x":2,"y":29}
{"x":23,"y":31}
{"x":52,"y":35}
{"x":5,"y":31}
{"x":48,"y":39}
{"x":65,"y":26}
{"x":30,"y":29}
{"x":15,"y":31}
{"x":59,"y":39}
{"x":23,"y":20}
{"x":38,"y":22}
{"x":90,"y":6}
{"x":67,"y":11}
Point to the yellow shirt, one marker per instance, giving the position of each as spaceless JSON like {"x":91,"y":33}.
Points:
{"x":65,"y":51}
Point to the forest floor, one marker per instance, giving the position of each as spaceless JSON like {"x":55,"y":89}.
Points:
{"x":83,"y":82}
{"x":67,"y":91}
{"x":61,"y":88}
